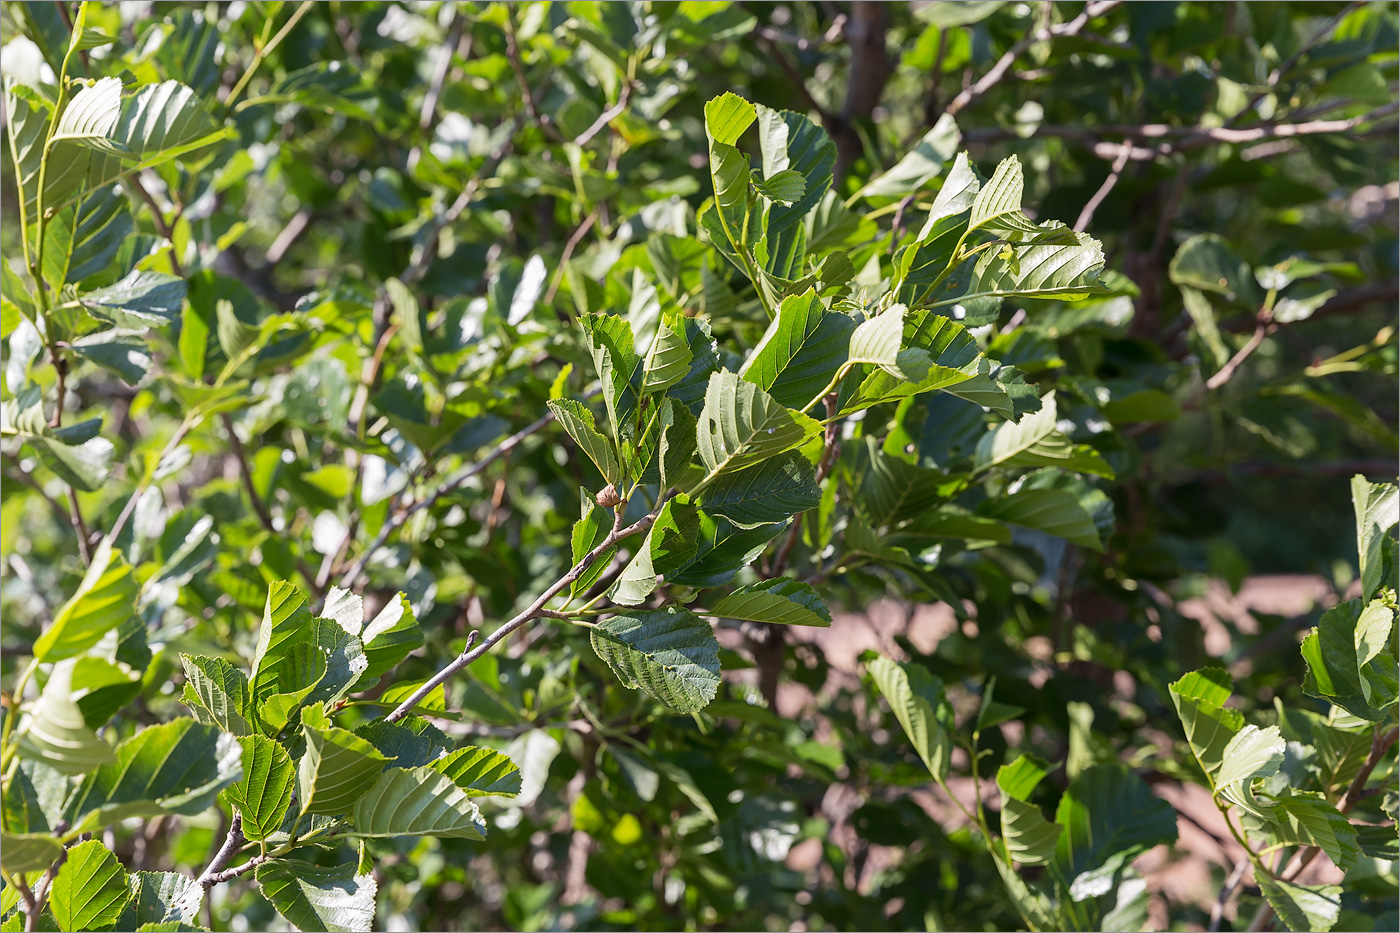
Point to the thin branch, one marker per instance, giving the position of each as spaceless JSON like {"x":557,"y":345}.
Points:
{"x":470,"y":654}
{"x":75,"y":514}
{"x":288,"y":236}
{"x":998,"y":71}
{"x":518,"y":67}
{"x":569,"y":248}
{"x":1114,"y":174}
{"x":428,"y":114}
{"x":1288,"y":63}
{"x":607,"y":116}
{"x":1217,"y":910}
{"x":1227,"y":372}
{"x":794,"y":74}
{"x":397,"y":518}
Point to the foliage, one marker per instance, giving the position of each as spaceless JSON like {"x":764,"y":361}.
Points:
{"x":440,"y":439}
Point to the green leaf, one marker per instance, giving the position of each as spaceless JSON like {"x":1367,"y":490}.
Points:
{"x":264,"y":792}
{"x":90,"y":889}
{"x":417,"y":802}
{"x":790,"y":141}
{"x":391,"y":636}
{"x":589,"y":532}
{"x":669,"y":653}
{"x":893,"y":490}
{"x":1036,"y":441}
{"x":742,"y":425}
{"x":481,"y":772}
{"x":1346,"y":654}
{"x":140,"y":301}
{"x":337,"y":767}
{"x":1110,"y":816}
{"x":410,"y":743}
{"x":722,"y":550}
{"x":997,"y":206}
{"x":1056,"y":512}
{"x":773,"y":491}
{"x":25,"y":852}
{"x":310,"y":897}
{"x":1308,"y":819}
{"x":676,"y":446}
{"x":1028,"y":836}
{"x":216,"y":693}
{"x":1377,"y":507}
{"x":727,"y":117}
{"x":1207,"y":263}
{"x":176,"y":767}
{"x":786,"y":187}
{"x":1302,"y":907}
{"x":669,"y":543}
{"x":58,"y":735}
{"x":939,"y":354}
{"x":920,"y":165}
{"x":161,"y":898}
{"x":802,"y":349}
{"x":123,"y":352}
{"x":77,"y":454}
{"x":668,"y":358}
{"x":578,"y":422}
{"x":158,"y":123}
{"x":877,"y":341}
{"x":917,"y":699}
{"x":1200,"y":699}
{"x":105,"y":598}
{"x":1252,"y":753}
{"x":781,"y":601}
{"x":610,"y":341}
{"x":1050,"y":269}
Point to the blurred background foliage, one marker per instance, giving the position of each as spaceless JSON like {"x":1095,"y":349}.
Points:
{"x":1227,"y":153}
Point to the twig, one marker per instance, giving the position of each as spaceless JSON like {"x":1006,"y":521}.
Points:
{"x":79,"y":526}
{"x":1217,"y":910}
{"x":428,"y":114}
{"x":398,"y":517}
{"x":607,"y":116}
{"x":998,"y":71}
{"x":1227,"y":371}
{"x":794,"y":74}
{"x":1114,"y":174}
{"x":569,"y":248}
{"x":470,"y":654}
{"x":288,"y":236}
{"x":246,"y":474}
{"x":518,"y":67}
{"x":263,"y":51}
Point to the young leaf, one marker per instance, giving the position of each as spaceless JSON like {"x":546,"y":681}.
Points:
{"x":104,"y":599}
{"x":481,"y":772}
{"x":417,"y":802}
{"x":577,"y":420}
{"x":668,"y":358}
{"x":1377,"y":507}
{"x":669,"y":544}
{"x":1252,"y":753}
{"x":216,"y":693}
{"x":314,"y":898}
{"x":90,"y":889}
{"x":916,"y":697}
{"x":1345,"y":654}
{"x":742,"y":425}
{"x":781,"y":601}
{"x":1028,"y":836}
{"x":265,"y":790}
{"x":669,"y":653}
{"x":1200,"y":698}
{"x":25,"y":852}
{"x":791,"y":141}
{"x":785,"y":187}
{"x":1037,"y":441}
{"x":58,"y":734}
{"x":773,"y":491}
{"x":611,"y":343}
{"x":1307,"y":819}
{"x":997,"y":206}
{"x":676,"y":445}
{"x":877,"y":341}
{"x":390,"y":637}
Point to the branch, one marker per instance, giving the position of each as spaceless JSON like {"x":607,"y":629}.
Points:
{"x":998,"y":71}
{"x":1288,"y":63}
{"x":1227,"y":372}
{"x":79,"y":526}
{"x":518,"y":67}
{"x":1114,"y":174}
{"x":397,"y":518}
{"x":208,"y":877}
{"x":607,"y":116}
{"x":470,"y":654}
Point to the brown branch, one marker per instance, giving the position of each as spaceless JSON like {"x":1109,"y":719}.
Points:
{"x":232,"y":841}
{"x":998,"y":71}
{"x":470,"y":654}
{"x":1227,"y":372}
{"x":518,"y":67}
{"x":80,"y":528}
{"x":1114,"y":174}
{"x":795,"y":76}
{"x":1227,"y":890}
{"x":607,"y":116}
{"x":569,"y":247}
{"x":402,"y":514}
{"x":1288,"y":63}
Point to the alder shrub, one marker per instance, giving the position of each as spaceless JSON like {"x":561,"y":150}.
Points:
{"x":374,"y":600}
